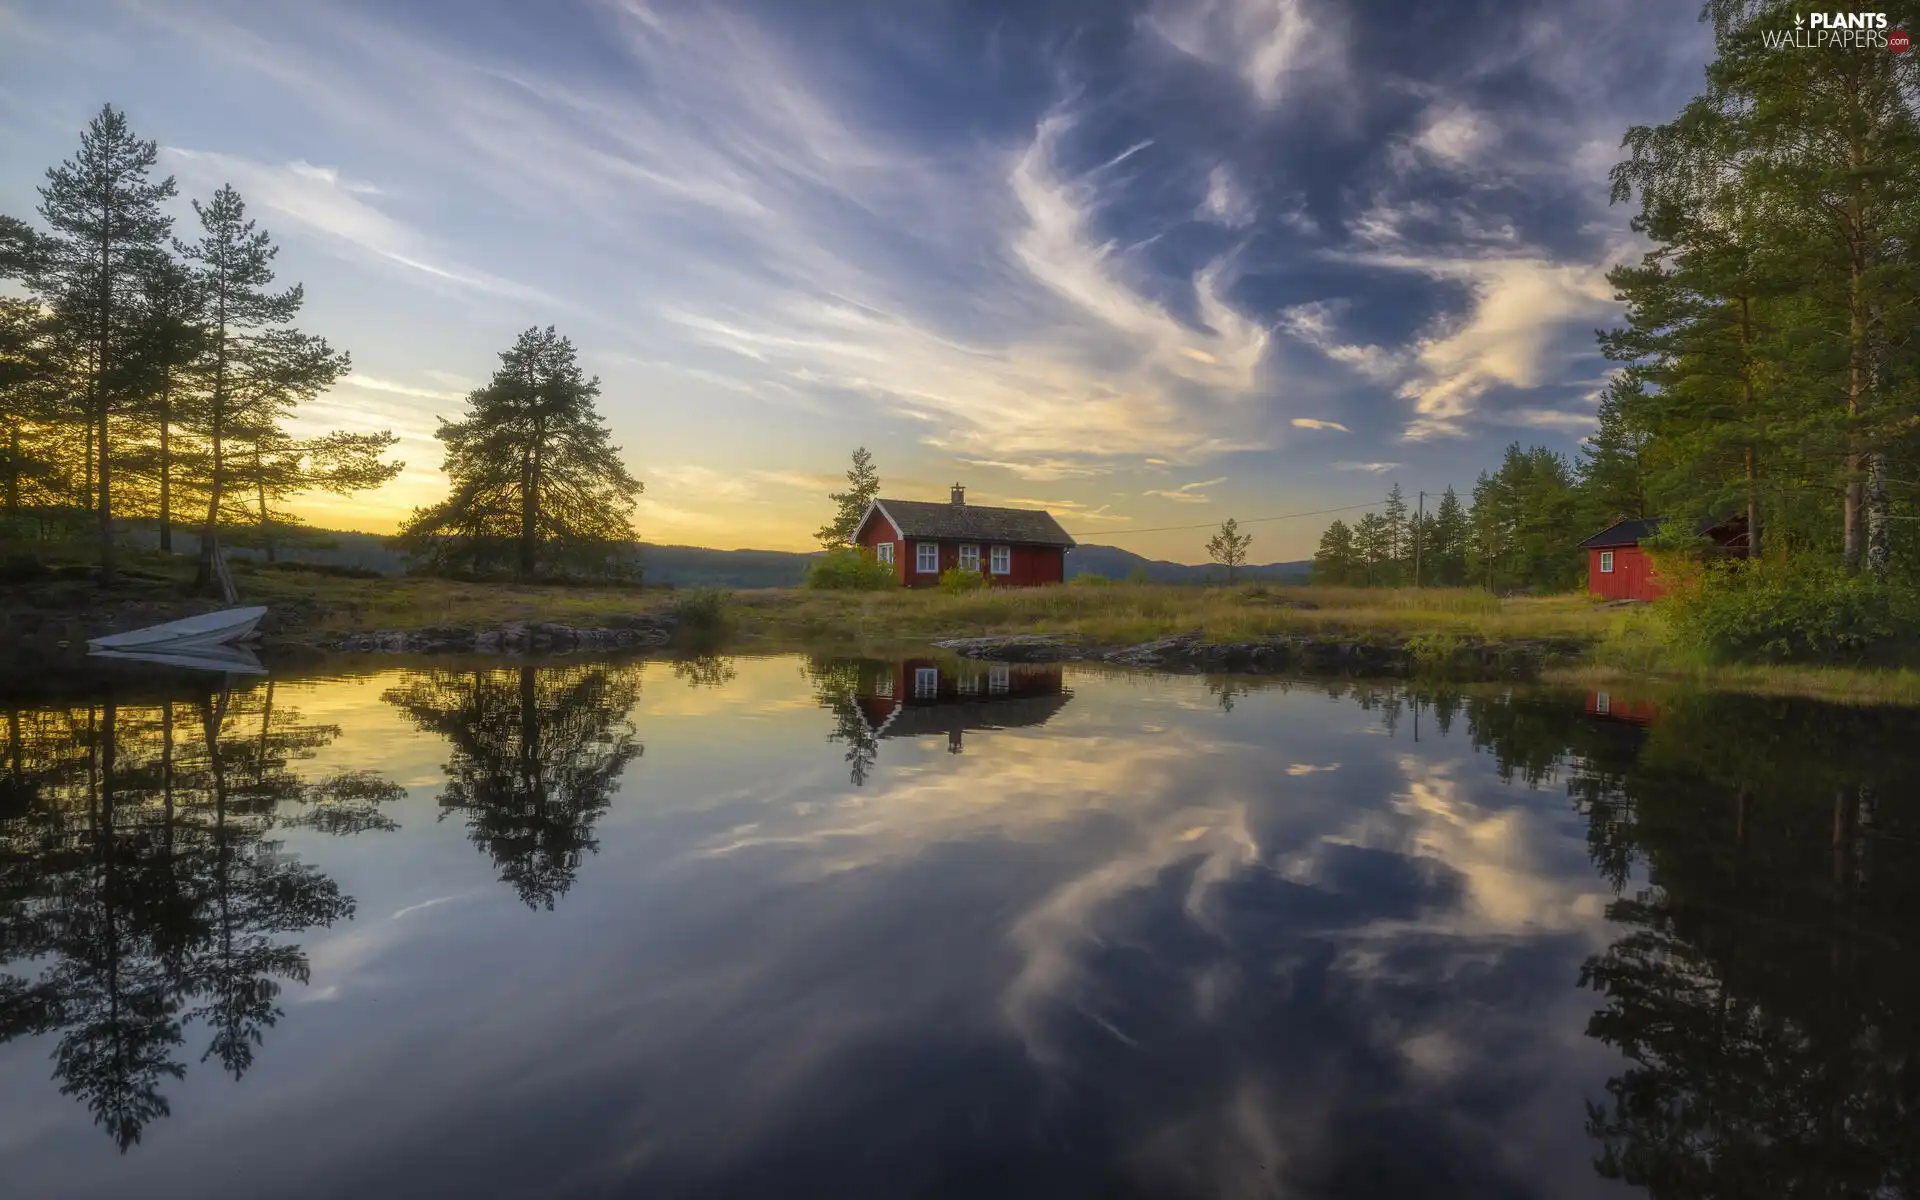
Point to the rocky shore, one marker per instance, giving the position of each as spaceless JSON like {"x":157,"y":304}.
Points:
{"x":1291,"y":654}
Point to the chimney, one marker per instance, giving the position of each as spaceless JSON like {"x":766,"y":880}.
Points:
{"x":959,"y":496}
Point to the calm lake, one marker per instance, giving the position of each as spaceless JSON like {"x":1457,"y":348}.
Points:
{"x":799,"y":926}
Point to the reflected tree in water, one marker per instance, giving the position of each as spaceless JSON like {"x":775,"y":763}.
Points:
{"x":141,"y":893}
{"x":1765,"y":987}
{"x":705,"y":670}
{"x":837,"y":684}
{"x":536,"y":755}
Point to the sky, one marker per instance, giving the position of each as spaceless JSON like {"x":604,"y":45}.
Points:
{"x":1144,"y":263}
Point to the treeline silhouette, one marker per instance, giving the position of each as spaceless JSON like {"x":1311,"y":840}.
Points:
{"x":144,"y":375}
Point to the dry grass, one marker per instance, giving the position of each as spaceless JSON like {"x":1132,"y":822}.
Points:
{"x":1123,"y":613}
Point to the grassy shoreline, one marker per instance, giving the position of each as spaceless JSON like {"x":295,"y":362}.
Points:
{"x":1622,"y":644}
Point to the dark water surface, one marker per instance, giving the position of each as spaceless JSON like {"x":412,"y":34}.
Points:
{"x":813,"y":927}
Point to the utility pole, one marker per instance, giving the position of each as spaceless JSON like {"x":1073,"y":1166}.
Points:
{"x":1420,"y":519}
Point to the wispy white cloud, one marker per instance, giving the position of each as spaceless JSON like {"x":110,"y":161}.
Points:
{"x":1188,"y":493}
{"x":1317,"y":423}
{"x":1273,"y":45}
{"x":373,"y":383}
{"x":1549,"y":418}
{"x":1040,"y":470}
{"x":319,"y":201}
{"x":1226,"y":203}
{"x":1375,"y":468}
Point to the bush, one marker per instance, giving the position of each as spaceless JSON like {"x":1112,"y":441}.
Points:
{"x":1089,"y":579}
{"x":955,"y":581}
{"x":704,"y":608}
{"x":1139,"y":575}
{"x":850,"y":568}
{"x":1771,"y":612}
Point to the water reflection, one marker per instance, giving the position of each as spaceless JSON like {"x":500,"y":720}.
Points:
{"x":141,"y":891}
{"x":1766,"y":986}
{"x":536,"y":755}
{"x":934,"y":928}
{"x":871,"y":699}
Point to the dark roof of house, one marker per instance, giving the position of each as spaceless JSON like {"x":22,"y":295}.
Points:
{"x":918,"y":718}
{"x":1632,"y":533}
{"x":974,"y":523}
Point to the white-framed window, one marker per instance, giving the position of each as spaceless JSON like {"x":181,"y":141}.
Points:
{"x":1606,"y":562}
{"x":884,"y":689}
{"x":884,"y":552}
{"x":1000,"y":558}
{"x":926,"y":683}
{"x":967,"y":685}
{"x":969,"y":558}
{"x":1602,"y":703}
{"x":998,"y":677}
{"x":926,"y":558}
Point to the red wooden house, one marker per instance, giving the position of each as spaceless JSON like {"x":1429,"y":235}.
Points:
{"x":1012,"y":547}
{"x":1618,"y":569}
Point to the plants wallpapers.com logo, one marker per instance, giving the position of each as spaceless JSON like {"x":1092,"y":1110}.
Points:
{"x":1838,"y":31}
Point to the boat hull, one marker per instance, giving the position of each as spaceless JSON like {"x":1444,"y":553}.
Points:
{"x":228,"y":660}
{"x":207,"y":629}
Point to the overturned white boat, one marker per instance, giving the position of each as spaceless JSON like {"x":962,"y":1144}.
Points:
{"x":207,"y":629}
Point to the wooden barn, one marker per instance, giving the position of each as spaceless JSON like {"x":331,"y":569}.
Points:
{"x":1618,"y":569}
{"x":1012,"y":547}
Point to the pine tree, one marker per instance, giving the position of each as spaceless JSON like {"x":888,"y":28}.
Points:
{"x":1446,"y":541}
{"x":276,"y":467}
{"x":1612,"y":474}
{"x":1371,"y":544}
{"x":105,"y":214}
{"x":168,"y":338}
{"x":1228,"y":547}
{"x":1399,"y":539}
{"x":536,"y":476}
{"x":1335,"y":564}
{"x":863,"y":484}
{"x":254,"y":369}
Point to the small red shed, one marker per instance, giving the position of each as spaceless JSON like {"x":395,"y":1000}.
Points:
{"x":1618,"y":569}
{"x":1012,"y":547}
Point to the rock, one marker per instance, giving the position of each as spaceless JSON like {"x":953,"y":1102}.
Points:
{"x":1018,"y":647}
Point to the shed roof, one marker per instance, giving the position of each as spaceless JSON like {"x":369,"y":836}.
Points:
{"x":972,"y":522}
{"x":1633,"y":532}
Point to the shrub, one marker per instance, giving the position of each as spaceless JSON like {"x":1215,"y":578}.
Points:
{"x":1771,"y":612}
{"x":1089,"y":579}
{"x":850,"y":568}
{"x":955,"y":581}
{"x":1139,"y":574}
{"x":703,"y":608}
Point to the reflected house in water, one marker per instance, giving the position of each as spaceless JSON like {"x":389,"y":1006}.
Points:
{"x":917,"y":697}
{"x":1608,"y":707}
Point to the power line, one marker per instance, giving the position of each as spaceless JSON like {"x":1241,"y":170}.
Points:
{"x":1105,"y":535}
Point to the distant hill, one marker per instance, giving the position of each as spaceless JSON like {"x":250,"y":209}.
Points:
{"x":697,"y":566}
{"x":1115,"y":563}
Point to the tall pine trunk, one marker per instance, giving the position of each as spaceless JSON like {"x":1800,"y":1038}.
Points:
{"x":13,"y":472}
{"x":203,"y":575}
{"x":530,"y":509}
{"x":260,"y":495}
{"x":166,"y":466}
{"x":1746,"y":388}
